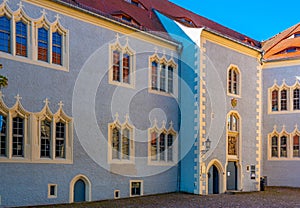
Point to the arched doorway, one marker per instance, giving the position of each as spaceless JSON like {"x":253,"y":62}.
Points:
{"x":79,"y":191}
{"x":213,"y":180}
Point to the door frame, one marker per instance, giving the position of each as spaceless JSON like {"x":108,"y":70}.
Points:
{"x":88,"y":190}
{"x":221,"y":173}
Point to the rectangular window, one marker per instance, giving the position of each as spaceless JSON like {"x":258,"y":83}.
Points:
{"x":52,"y":190}
{"x":153,"y":146}
{"x":45,"y":138}
{"x":117,"y":194}
{"x":283,"y":100}
{"x":21,"y":39}
{"x":275,"y":100}
{"x":283,"y":146}
{"x":60,"y":140}
{"x":296,"y":99}
{"x":126,"y":69}
{"x":5,"y":36}
{"x":43,"y":44}
{"x":56,"y":48}
{"x":170,"y":79}
{"x":274,"y":147}
{"x":232,"y":145}
{"x":162,"y":147}
{"x":296,"y":146}
{"x":235,"y":82}
{"x":116,"y":66}
{"x":136,"y":188}
{"x":154,"y":75}
{"x":170,"y":147}
{"x":163,"y":78}
{"x":3,"y":139}
{"x":18,"y":137}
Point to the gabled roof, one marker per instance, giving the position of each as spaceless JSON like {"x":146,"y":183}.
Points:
{"x":277,"y":47}
{"x":148,"y":21}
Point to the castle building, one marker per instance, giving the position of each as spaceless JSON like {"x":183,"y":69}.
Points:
{"x":123,"y":98}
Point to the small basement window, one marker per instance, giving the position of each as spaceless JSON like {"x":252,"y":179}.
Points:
{"x":136,"y":188}
{"x":52,"y":190}
{"x":117,"y":194}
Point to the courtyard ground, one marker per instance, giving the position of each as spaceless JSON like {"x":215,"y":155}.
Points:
{"x":272,"y":197}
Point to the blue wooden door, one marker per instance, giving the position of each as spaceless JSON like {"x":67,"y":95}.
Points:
{"x":79,"y":191}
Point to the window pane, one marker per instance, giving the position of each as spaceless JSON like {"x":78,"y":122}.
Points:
{"x":115,"y":143}
{"x":296,"y":146}
{"x":60,"y":140}
{"x":275,"y":100}
{"x":3,"y":141}
{"x":170,"y":79}
{"x":126,"y":65}
{"x":162,"y":146}
{"x":154,"y":75}
{"x":21,"y":39}
{"x":283,"y":100}
{"x":232,"y":145}
{"x":116,"y":66}
{"x":18,"y":137}
{"x":296,"y":100}
{"x":56,"y":48}
{"x":283,"y":146}
{"x":5,"y":37}
{"x":45,"y":138}
{"x":235,"y":82}
{"x":163,"y":78}
{"x":274,"y":146}
{"x":135,"y":188}
{"x":125,"y":144}
{"x":42,"y":44}
{"x":230,"y":81}
{"x":170,"y":147}
{"x":153,"y":146}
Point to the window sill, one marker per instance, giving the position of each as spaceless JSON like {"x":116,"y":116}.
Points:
{"x":35,"y":62}
{"x":233,"y":95}
{"x":284,"y":159}
{"x":121,"y":84}
{"x":115,"y":161}
{"x":157,"y":92}
{"x":283,"y":112}
{"x":161,"y":163}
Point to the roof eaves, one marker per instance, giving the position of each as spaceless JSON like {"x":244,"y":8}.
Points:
{"x":281,"y":59}
{"x":110,"y":18}
{"x":232,"y":39}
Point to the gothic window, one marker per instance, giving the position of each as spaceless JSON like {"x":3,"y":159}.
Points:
{"x":275,"y":100}
{"x":154,"y":75}
{"x":154,"y":146}
{"x":296,"y":146}
{"x":162,"y":146}
{"x":60,"y":140}
{"x":45,"y":138}
{"x":18,"y":137}
{"x":233,"y":82}
{"x":43,"y":43}
{"x":296,"y":99}
{"x":170,"y":79}
{"x":233,"y":134}
{"x":274,"y":146}
{"x":283,"y":99}
{"x":170,"y":147}
{"x":21,"y":39}
{"x":3,"y":136}
{"x":163,"y":77}
{"x":5,"y":34}
{"x":56,"y":48}
{"x":283,"y":146}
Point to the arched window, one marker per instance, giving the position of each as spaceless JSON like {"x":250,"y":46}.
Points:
{"x":3,"y":136}
{"x":45,"y":138}
{"x":274,"y":146}
{"x":5,"y":34}
{"x":296,"y":152}
{"x":154,"y":146}
{"x":21,"y":38}
{"x":154,"y":75}
{"x":115,"y":143}
{"x":233,"y":80}
{"x":60,"y":140}
{"x":126,"y":144}
{"x":18,"y":137}
{"x":170,"y":79}
{"x":170,"y":147}
{"x":275,"y":100}
{"x":56,"y":48}
{"x":43,"y":43}
{"x":283,"y":99}
{"x":296,"y":99}
{"x":233,"y":134}
{"x":162,"y":77}
{"x":162,"y":146}
{"x":283,"y":146}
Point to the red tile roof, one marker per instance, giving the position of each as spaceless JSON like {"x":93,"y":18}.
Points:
{"x":147,"y":20}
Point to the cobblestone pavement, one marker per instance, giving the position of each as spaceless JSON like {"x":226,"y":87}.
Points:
{"x":272,"y":197}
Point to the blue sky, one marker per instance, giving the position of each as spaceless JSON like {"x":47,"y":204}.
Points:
{"x":258,"y":19}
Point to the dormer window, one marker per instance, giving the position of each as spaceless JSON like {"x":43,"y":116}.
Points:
{"x":125,"y":17}
{"x":135,"y":3}
{"x":186,"y":21}
{"x":290,"y":50}
{"x":297,"y":35}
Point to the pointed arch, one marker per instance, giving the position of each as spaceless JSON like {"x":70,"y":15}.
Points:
{"x":88,"y":187}
{"x":221,"y":175}
{"x":234,"y":78}
{"x":120,"y":141}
